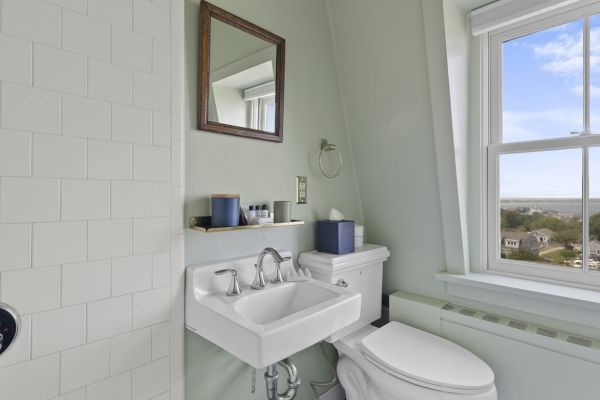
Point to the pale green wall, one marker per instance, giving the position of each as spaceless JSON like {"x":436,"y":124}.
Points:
{"x":382,"y":62}
{"x":213,"y":374}
{"x":263,"y":171}
{"x":382,"y":66}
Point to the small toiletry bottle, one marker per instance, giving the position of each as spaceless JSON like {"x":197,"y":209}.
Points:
{"x":264,"y":211}
{"x":243,"y":219}
{"x":258,"y":212}
{"x":251,"y":213}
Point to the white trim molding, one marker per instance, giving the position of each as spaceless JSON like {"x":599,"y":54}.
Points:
{"x":447,"y":135}
{"x":569,"y":304}
{"x":262,"y":90}
{"x":506,"y":12}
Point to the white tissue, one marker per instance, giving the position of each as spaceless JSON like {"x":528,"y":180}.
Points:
{"x":335,"y":215}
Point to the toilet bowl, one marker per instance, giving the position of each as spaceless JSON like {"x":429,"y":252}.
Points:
{"x":396,"y":361}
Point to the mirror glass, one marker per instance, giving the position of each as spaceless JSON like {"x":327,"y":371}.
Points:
{"x":241,"y":71}
{"x":241,"y":79}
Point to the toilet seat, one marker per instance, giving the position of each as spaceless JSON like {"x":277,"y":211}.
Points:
{"x":383,"y":379}
{"x":426,"y":360}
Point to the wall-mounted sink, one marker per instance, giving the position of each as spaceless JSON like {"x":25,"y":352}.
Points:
{"x":262,"y":327}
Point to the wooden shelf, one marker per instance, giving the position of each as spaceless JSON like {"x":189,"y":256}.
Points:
{"x":202,"y":224}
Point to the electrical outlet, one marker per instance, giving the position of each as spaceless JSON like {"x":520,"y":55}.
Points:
{"x":301,"y":186}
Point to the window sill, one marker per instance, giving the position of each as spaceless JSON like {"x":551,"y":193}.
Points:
{"x":575,"y":305}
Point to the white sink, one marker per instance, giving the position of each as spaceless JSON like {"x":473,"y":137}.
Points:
{"x":262,"y":327}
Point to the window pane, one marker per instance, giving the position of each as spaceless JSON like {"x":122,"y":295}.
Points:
{"x":542,"y":84}
{"x":267,"y":113}
{"x":595,"y":74}
{"x":270,"y":116}
{"x":541,"y":207}
{"x":594,"y":209}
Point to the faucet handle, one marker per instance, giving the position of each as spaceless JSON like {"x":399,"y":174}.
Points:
{"x":285,"y":259}
{"x":234,"y":287}
{"x":226,"y":270}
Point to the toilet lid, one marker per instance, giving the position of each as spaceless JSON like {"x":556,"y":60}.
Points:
{"x":424,"y":358}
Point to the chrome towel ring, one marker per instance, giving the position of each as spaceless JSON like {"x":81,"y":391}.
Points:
{"x":326,"y":147}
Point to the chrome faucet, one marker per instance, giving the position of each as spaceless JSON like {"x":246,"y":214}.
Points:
{"x":259,"y":280}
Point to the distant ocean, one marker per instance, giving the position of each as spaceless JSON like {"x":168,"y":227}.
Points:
{"x":561,"y":206}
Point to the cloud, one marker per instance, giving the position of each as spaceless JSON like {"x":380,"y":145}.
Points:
{"x":536,"y":125}
{"x":564,"y":56}
{"x":594,"y":90}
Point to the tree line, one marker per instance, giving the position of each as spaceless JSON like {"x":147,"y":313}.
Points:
{"x":567,"y":230}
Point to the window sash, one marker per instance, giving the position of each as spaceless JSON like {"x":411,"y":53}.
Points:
{"x":264,"y":103}
{"x":494,"y":148}
{"x":579,"y":277}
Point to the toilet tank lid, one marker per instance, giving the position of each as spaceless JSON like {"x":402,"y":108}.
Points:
{"x":325,"y":262}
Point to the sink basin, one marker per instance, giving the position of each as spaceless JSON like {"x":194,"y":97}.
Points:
{"x":282,"y":301}
{"x":262,"y":327}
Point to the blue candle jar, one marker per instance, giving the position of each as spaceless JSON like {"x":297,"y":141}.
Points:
{"x":225,"y":210}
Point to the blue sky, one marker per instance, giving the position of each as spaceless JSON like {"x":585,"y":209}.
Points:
{"x":543,"y":98}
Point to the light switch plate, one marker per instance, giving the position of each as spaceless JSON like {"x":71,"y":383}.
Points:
{"x":301,"y":186}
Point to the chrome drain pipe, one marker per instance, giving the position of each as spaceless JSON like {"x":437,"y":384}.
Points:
{"x":271,"y":378}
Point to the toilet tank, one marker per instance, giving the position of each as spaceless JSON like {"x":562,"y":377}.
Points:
{"x":361,"y":270}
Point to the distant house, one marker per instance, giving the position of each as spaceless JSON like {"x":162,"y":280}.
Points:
{"x":543,"y":236}
{"x":595,"y":249}
{"x":513,"y":240}
{"x":534,"y":210}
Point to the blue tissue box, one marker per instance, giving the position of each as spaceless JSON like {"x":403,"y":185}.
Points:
{"x":335,"y":237}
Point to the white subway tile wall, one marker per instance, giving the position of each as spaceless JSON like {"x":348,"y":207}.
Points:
{"x":15,"y":246}
{"x":15,"y":154}
{"x":20,"y":103}
{"x":90,"y":240}
{"x":59,"y":70}
{"x":85,"y":117}
{"x":57,"y":330}
{"x":131,"y":50}
{"x":114,"y":388}
{"x":17,"y":68}
{"x":75,"y":5}
{"x":130,"y":350}
{"x":117,"y":12}
{"x":85,"y":35}
{"x":109,"y":160}
{"x":84,"y":365}
{"x":109,"y":82}
{"x":131,"y":124}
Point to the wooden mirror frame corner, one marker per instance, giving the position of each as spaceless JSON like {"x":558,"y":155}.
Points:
{"x":208,"y":11}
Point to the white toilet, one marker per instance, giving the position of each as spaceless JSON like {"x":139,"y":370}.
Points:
{"x":395,"y":362}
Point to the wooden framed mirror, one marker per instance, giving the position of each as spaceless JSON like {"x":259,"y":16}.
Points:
{"x":241,"y":77}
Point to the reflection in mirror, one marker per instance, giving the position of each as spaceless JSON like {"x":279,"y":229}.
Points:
{"x":242,"y":79}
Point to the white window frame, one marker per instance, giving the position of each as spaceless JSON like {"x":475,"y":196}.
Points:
{"x":492,"y":148}
{"x":263,"y":103}
{"x":258,"y":112}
